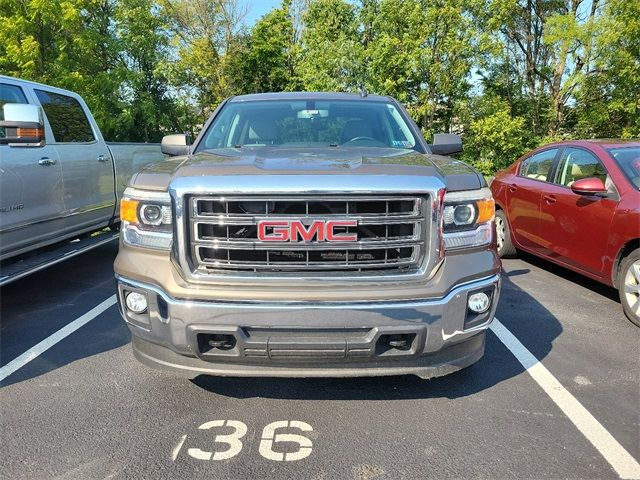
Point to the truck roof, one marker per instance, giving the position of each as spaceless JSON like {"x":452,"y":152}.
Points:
{"x":40,"y":85}
{"x":308,"y":96}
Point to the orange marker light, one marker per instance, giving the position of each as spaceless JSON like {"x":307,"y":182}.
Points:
{"x":129,"y":210}
{"x":486,"y":210}
{"x":30,"y":132}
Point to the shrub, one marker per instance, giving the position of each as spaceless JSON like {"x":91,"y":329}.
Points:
{"x":495,"y":141}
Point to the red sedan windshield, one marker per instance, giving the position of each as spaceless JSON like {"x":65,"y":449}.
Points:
{"x":628,"y":158}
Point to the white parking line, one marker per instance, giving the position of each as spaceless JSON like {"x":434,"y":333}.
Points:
{"x":622,"y":462}
{"x":176,"y":450}
{"x":50,"y":341}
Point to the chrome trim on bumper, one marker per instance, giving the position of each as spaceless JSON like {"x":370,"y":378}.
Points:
{"x":311,"y":339}
{"x":441,"y":320}
{"x":391,"y":303}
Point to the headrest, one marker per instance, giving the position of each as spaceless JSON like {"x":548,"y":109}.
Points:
{"x":576,"y":171}
{"x":263,"y":129}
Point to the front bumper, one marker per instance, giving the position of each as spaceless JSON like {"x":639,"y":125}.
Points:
{"x":428,"y":338}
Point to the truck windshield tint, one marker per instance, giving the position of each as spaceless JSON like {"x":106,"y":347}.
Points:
{"x":309,"y":123}
{"x":628,"y":158}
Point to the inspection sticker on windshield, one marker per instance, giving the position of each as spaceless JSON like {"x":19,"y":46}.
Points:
{"x":401,"y":143}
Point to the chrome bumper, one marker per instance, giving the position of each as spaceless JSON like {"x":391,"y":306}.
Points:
{"x":310,"y":339}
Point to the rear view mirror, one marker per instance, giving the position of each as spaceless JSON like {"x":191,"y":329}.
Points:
{"x":21,"y":124}
{"x":177,"y":144}
{"x":446,"y":144}
{"x":589,"y":186}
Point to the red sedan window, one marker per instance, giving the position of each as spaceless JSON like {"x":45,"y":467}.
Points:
{"x":577,"y":164}
{"x":539,"y":165}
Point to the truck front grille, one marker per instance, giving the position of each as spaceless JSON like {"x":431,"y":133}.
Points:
{"x":390,"y":230}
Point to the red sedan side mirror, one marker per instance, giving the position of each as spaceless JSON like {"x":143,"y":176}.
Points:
{"x":589,"y":186}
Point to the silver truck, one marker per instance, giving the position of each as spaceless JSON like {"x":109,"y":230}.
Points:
{"x":59,"y":179}
{"x":308,"y":234}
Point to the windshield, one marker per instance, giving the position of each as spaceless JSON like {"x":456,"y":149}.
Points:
{"x":628,"y":158}
{"x":309,"y":123}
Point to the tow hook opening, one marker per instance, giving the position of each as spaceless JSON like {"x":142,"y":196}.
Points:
{"x":395,"y":344}
{"x":216,"y":342}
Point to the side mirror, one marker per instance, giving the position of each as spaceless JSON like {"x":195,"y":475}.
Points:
{"x":177,"y":144}
{"x":21,"y":124}
{"x":589,"y":186}
{"x":446,"y":144}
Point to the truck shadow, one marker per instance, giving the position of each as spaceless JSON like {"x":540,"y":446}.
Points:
{"x":35,"y":307}
{"x":522,"y":314}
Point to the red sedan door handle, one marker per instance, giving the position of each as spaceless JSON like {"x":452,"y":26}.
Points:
{"x":549,"y":198}
{"x":512,"y":187}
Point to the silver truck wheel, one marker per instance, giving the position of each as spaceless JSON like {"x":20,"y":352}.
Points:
{"x":503,"y":236}
{"x":629,"y":286}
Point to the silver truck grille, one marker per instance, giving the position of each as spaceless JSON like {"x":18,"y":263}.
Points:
{"x":391,"y":233}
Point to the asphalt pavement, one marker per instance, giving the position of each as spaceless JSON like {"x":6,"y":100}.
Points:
{"x":85,"y":408}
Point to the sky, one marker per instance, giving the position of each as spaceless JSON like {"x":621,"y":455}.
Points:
{"x":258,"y":8}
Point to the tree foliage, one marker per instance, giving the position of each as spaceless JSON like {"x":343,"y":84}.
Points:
{"x":495,"y":140}
{"x":331,"y":56}
{"x":263,"y":61}
{"x":506,"y":74}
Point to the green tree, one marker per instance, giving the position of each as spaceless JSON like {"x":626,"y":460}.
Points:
{"x":608,"y":101}
{"x":148,"y":110}
{"x":421,"y":52}
{"x":70,"y":44}
{"x":106,"y":50}
{"x":331,"y":53}
{"x":496,"y":139}
{"x":264,"y":60}
{"x":203,"y":33}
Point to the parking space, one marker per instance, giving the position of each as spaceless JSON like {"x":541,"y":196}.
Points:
{"x":85,"y":408}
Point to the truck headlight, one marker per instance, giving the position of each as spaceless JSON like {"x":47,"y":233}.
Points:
{"x":156,"y":215}
{"x":146,"y":219}
{"x":467,"y":219}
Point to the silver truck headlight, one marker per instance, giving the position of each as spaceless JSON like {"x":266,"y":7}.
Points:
{"x":146,"y":219}
{"x":467,"y":219}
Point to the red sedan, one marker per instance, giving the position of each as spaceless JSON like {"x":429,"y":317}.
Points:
{"x":576,"y":204}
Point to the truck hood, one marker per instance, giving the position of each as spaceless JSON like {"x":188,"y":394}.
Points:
{"x":254,"y":161}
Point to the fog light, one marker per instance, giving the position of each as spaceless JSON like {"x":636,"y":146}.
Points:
{"x":136,"y":302}
{"x":479,"y":302}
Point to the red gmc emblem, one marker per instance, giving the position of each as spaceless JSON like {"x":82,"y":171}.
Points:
{"x":295,"y":231}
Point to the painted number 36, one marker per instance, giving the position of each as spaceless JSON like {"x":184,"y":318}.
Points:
{"x":268,"y":442}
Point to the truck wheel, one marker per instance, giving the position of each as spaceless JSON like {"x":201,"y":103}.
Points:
{"x":503,"y":236}
{"x":629,"y":286}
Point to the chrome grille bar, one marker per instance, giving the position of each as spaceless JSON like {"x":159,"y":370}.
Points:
{"x":392,"y":233}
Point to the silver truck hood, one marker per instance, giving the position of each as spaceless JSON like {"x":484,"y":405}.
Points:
{"x":258,"y":161}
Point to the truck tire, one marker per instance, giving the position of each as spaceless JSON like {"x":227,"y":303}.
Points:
{"x":629,"y":286}
{"x":503,"y":236}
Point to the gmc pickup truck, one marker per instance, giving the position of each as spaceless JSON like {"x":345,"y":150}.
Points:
{"x":59,"y":179}
{"x":308,"y":234}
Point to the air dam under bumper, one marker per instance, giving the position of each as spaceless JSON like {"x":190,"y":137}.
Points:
{"x":428,"y":338}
